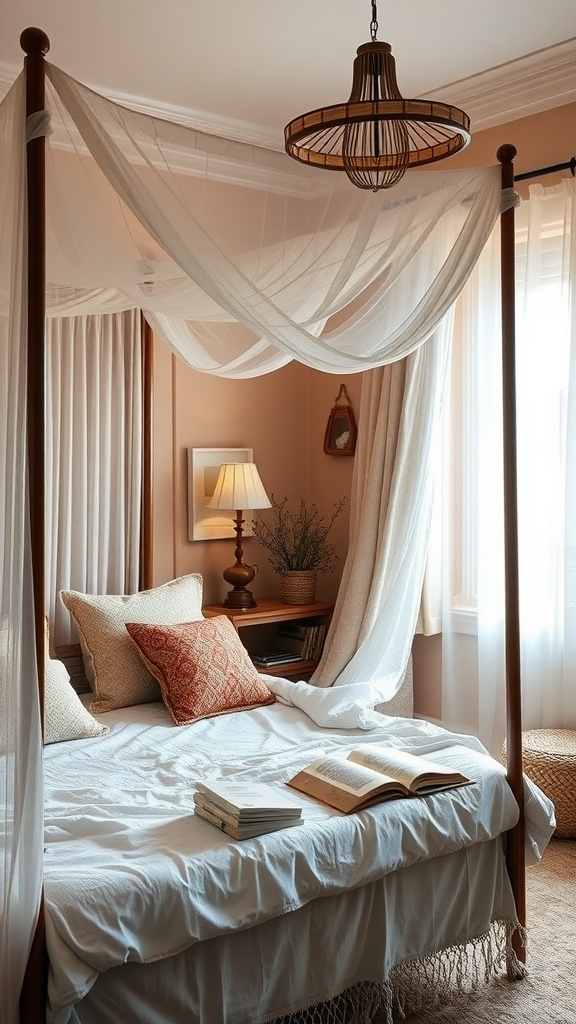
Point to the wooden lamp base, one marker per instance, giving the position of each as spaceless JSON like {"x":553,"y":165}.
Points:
{"x":239,"y":575}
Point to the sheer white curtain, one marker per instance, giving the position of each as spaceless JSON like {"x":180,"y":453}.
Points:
{"x":21,"y":792}
{"x":391,"y":507}
{"x":93,"y":459}
{"x":547,"y":454}
{"x":473,"y":612}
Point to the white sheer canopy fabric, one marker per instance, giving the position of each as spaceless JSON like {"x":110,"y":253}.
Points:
{"x":205,"y":234}
{"x":242,"y":260}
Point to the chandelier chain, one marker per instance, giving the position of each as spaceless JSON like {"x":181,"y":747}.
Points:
{"x":374,"y":22}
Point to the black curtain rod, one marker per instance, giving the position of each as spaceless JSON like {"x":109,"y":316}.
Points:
{"x":571,"y":166}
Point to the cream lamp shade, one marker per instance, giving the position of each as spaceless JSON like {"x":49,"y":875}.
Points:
{"x":239,"y":487}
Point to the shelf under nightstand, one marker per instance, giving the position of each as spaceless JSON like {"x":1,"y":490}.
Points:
{"x":270,"y":612}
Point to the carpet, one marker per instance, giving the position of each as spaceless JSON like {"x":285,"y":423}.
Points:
{"x":548,"y":994}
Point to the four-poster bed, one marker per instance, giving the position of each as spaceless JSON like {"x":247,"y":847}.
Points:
{"x":36,"y":46}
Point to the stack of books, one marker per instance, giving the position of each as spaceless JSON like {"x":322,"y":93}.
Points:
{"x":306,"y":640}
{"x":275,"y":656}
{"x":245,"y":809}
{"x":295,"y":642}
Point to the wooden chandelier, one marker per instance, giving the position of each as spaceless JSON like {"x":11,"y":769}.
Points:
{"x":377,"y":134}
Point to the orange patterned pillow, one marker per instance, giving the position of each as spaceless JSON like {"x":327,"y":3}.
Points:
{"x":202,"y":667}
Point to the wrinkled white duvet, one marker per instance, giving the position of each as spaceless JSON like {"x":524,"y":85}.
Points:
{"x":132,"y":875}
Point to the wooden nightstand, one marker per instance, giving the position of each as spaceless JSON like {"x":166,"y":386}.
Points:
{"x":267,"y":615}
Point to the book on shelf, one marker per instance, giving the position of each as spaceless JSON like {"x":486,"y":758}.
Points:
{"x":306,"y":640}
{"x":370,"y":774}
{"x":243,"y":810}
{"x":267,"y":659}
{"x":318,"y":641}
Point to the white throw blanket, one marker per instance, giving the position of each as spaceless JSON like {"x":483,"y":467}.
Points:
{"x":336,"y":707}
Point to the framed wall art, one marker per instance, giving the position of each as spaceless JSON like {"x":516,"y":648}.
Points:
{"x":203,"y":468}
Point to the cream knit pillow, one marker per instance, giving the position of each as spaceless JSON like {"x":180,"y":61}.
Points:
{"x":116,"y":673}
{"x":65,"y":717}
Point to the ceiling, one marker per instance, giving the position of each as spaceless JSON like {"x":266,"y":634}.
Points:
{"x":243,"y":68}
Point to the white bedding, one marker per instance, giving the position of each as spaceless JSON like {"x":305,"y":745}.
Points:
{"x":131,"y":875}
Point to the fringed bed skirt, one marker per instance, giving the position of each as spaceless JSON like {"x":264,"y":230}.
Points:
{"x":429,"y":983}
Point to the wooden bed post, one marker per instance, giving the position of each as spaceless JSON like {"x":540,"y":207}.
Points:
{"x":36,"y":45}
{"x":515,"y":840}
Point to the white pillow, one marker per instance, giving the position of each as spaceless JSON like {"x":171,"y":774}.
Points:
{"x":115,"y":672}
{"x":65,"y":717}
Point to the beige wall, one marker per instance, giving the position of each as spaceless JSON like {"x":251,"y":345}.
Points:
{"x":541,"y":140}
{"x":282,"y":417}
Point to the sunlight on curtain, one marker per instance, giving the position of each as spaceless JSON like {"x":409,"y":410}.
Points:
{"x":93,"y":459}
{"x":472,"y":497}
{"x":547,"y":454}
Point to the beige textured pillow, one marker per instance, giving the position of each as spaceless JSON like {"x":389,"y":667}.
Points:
{"x":65,"y":717}
{"x":116,"y":673}
{"x":202,"y":667}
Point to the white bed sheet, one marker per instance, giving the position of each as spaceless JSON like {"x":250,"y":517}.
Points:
{"x":131,"y":875}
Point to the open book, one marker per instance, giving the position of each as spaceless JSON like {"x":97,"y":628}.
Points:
{"x":370,"y":774}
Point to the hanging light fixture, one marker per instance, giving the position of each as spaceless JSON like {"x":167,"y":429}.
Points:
{"x":377,"y":134}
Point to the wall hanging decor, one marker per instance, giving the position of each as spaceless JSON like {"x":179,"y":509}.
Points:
{"x":340,"y":436}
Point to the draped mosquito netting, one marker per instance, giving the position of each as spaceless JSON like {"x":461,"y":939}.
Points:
{"x":242,"y":260}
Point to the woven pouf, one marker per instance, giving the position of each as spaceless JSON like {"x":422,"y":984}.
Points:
{"x":550,"y":761}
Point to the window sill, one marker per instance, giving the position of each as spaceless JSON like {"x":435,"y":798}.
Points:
{"x":464,"y":619}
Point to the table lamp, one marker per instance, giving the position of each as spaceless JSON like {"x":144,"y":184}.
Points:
{"x":239,"y":487}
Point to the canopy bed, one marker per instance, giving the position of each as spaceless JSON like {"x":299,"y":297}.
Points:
{"x":209,"y":283}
